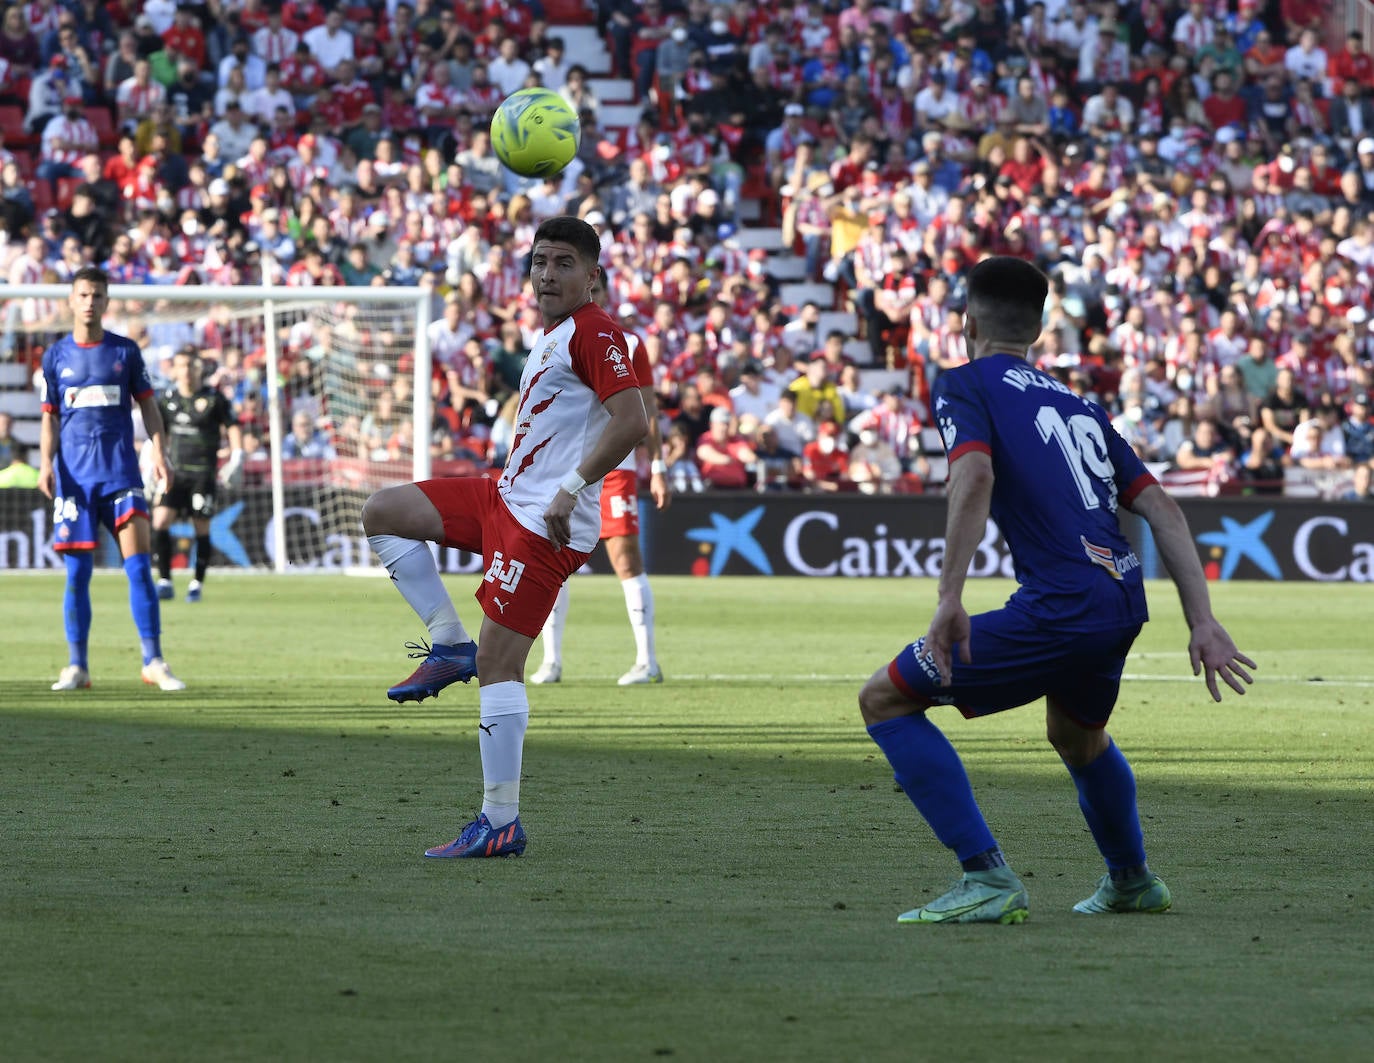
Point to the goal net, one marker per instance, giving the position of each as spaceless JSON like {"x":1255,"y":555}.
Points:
{"x":330,"y":385}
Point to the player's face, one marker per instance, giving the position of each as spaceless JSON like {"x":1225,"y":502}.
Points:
{"x":562,"y":281}
{"x":188,"y":373}
{"x":88,"y":301}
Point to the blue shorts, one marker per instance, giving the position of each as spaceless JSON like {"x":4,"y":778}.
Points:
{"x":77,"y":513}
{"x":1016,"y":660}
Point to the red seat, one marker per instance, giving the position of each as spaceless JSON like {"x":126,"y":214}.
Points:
{"x":66,"y":189}
{"x":42,"y":197}
{"x":104,"y":125}
{"x":12,"y":122}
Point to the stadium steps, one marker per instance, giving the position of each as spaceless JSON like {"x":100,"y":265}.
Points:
{"x":19,"y":403}
{"x":807,"y":292}
{"x":612,"y":90}
{"x":18,"y":398}
{"x":787,"y":267}
{"x":767,"y":239}
{"x":582,"y":45}
{"x":616,"y":116}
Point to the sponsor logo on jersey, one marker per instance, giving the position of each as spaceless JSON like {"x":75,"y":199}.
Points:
{"x":1103,"y":557}
{"x":617,"y":360}
{"x":948,"y":431}
{"x":92,"y":396}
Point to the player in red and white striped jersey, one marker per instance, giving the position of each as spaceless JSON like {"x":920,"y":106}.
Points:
{"x":580,"y":413}
{"x":620,"y":533}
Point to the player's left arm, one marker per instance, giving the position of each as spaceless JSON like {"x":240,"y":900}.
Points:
{"x":653,"y":443}
{"x":627,"y":426}
{"x":157,"y":436}
{"x":970,"y":501}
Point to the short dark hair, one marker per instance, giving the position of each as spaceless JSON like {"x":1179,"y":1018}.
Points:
{"x":1007,"y":297}
{"x":93,"y":275}
{"x":566,"y":229}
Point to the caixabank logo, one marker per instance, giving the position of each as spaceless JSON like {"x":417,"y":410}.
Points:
{"x":800,"y":536}
{"x":1332,"y":544}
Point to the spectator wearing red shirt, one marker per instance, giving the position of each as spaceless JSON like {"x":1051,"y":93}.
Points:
{"x":1351,"y":63}
{"x":302,"y":15}
{"x":724,"y":456}
{"x":824,"y":464}
{"x":1224,"y":107}
{"x":186,"y":38}
{"x":351,"y":93}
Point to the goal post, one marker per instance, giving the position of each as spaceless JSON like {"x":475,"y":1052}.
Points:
{"x":326,"y":352}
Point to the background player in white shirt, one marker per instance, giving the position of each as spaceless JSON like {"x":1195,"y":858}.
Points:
{"x":620,"y":533}
{"x":580,"y":413}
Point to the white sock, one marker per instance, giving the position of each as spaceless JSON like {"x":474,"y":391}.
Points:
{"x":553,"y":628}
{"x":639,"y":602}
{"x":501,"y":739}
{"x":416,"y":576}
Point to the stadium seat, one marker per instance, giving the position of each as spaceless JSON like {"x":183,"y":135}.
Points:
{"x":104,"y":126}
{"x":66,"y":189}
{"x":12,"y":121}
{"x":42,"y":196}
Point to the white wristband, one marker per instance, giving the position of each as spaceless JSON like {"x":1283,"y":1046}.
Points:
{"x":573,"y":483}
{"x":658,"y":467}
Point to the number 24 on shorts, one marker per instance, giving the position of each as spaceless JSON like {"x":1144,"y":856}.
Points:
{"x":505,"y":574}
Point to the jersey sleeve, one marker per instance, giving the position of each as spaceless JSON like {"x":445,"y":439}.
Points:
{"x":961,"y":415}
{"x":224,"y":413}
{"x":600,"y":358}
{"x":140,"y":386}
{"x":49,"y":396}
{"x":1131,"y":475}
{"x":639,"y":361}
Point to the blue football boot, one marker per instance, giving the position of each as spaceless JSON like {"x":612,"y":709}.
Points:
{"x":480,"y":838}
{"x":442,"y":665}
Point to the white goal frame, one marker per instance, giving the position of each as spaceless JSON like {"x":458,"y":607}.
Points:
{"x":271,"y":299}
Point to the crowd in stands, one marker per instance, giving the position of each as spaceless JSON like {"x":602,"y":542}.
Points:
{"x":1197,"y":179}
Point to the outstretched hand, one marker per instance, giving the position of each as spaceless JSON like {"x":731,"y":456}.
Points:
{"x":1211,"y":648}
{"x":949,"y":625}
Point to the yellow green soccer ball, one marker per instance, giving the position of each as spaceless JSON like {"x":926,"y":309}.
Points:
{"x":535,"y":132}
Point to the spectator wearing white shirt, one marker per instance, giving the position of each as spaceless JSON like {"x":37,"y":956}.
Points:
{"x":554,"y":66}
{"x":753,"y":395}
{"x":508,"y":71}
{"x":934,"y":103}
{"x":1194,"y":29}
{"x":261,"y":104}
{"x":330,"y":44}
{"x":1306,"y":60}
{"x":234,"y":132}
{"x":1071,"y":33}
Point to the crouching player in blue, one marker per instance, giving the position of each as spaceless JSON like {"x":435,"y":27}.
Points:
{"x":89,"y":469}
{"x":1049,"y":469}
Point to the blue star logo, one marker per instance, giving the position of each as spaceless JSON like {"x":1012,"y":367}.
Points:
{"x":1244,"y":542}
{"x":222,"y":536}
{"x":733,"y":537}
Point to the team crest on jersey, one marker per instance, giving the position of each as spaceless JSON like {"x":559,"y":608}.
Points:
{"x":548,"y":351}
{"x":948,"y":432}
{"x":118,"y":367}
{"x":201,"y":403}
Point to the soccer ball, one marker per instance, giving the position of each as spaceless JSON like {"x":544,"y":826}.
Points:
{"x":535,"y":132}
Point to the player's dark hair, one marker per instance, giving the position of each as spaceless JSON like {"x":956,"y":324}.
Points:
{"x":92,"y":275}
{"x":1007,"y":297}
{"x":566,"y":229}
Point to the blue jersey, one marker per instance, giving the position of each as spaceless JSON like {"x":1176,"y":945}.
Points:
{"x":1061,"y":472}
{"x":92,"y":389}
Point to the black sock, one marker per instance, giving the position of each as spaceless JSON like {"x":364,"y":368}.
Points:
{"x":162,"y":552}
{"x":203,"y":549}
{"x":989,"y":860}
{"x":1128,"y":876}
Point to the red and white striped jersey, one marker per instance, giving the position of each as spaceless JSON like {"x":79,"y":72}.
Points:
{"x":275,"y":46}
{"x":572,"y":369}
{"x":139,"y":100}
{"x":78,"y":134}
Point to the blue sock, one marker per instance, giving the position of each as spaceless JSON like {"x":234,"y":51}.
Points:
{"x":76,"y":605}
{"x":1106,"y":794}
{"x":143,"y":604}
{"x":930,"y":771}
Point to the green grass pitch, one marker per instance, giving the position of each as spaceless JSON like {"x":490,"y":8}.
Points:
{"x":715,"y":865}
